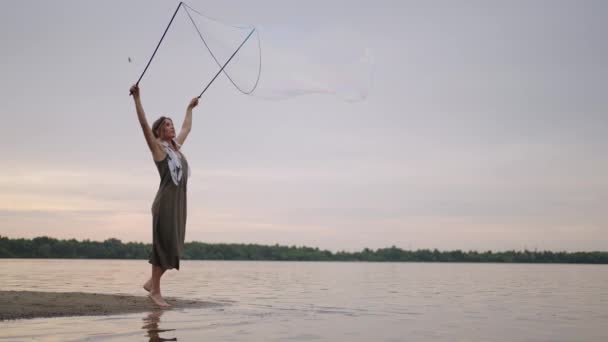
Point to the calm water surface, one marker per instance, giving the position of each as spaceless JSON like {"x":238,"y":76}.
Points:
{"x":319,"y":301}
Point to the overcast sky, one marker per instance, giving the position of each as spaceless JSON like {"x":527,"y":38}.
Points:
{"x":485,"y":125}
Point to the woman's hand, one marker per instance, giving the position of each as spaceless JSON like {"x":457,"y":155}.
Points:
{"x":134,"y":91}
{"x":193,"y":103}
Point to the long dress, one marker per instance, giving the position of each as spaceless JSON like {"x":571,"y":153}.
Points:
{"x":169,"y":212}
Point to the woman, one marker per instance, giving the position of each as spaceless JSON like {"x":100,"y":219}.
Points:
{"x":169,"y":207}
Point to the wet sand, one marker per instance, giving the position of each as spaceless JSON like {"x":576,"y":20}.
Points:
{"x":30,"y":304}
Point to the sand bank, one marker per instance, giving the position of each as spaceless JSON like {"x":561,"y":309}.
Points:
{"x":30,"y":304}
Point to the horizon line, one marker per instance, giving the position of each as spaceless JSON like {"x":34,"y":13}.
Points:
{"x":535,"y":250}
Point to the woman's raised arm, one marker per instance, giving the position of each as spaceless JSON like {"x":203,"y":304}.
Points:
{"x":187,"y":125}
{"x":141,"y":116}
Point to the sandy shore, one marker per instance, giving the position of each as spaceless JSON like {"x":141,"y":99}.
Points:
{"x":29,"y":304}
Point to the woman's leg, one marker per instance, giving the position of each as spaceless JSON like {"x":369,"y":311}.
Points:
{"x":149,"y":284}
{"x":155,"y":293}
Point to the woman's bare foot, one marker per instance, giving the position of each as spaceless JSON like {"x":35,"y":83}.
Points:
{"x":148,"y":285}
{"x":158,"y":300}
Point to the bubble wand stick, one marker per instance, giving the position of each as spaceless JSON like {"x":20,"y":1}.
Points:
{"x":228,"y":61}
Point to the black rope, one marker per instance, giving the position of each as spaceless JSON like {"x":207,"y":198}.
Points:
{"x":246,"y":92}
{"x":228,"y":61}
{"x":211,"y":52}
{"x":161,"y":40}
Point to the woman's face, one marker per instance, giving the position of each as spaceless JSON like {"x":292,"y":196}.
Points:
{"x":167,"y":131}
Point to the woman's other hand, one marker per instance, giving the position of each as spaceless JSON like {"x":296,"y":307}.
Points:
{"x":134,"y":90}
{"x":193,"y":103}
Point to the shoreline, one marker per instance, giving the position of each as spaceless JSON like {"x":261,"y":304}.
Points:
{"x":16,"y":305}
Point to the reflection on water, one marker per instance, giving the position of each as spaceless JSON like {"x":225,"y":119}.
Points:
{"x":151,"y":325}
{"x":308,"y":301}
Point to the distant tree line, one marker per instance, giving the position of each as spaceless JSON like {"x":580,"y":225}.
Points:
{"x":46,"y":247}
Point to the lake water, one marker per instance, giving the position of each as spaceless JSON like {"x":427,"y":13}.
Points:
{"x":325,"y":301}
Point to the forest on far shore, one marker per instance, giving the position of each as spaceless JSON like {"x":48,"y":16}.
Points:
{"x":47,"y":247}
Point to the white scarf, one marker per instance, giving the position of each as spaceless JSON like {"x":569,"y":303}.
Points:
{"x":174,"y":161}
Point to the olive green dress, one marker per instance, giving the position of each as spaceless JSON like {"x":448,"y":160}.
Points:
{"x":169,"y":214}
